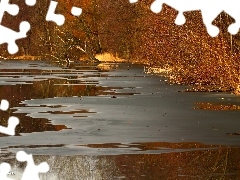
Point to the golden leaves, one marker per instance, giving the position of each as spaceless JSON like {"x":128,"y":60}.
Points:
{"x":214,"y":106}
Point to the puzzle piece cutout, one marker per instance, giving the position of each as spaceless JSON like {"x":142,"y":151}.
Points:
{"x":7,"y":35}
{"x":30,"y":2}
{"x":12,"y":121}
{"x":76,"y":11}
{"x":4,"y":105}
{"x":59,"y":19}
{"x":4,"y":171}
{"x":210,"y":9}
{"x":12,"y":9}
{"x":133,"y":1}
{"x":5,"y":167}
{"x":31,"y":171}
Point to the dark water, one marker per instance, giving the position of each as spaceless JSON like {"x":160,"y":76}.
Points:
{"x":117,"y":122}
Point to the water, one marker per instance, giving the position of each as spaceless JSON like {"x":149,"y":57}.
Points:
{"x":118,"y":120}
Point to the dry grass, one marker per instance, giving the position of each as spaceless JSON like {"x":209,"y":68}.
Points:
{"x":27,"y":57}
{"x":217,"y":107}
{"x":108,"y":57}
{"x":237,"y":90}
{"x":107,"y":66}
{"x":157,"y":70}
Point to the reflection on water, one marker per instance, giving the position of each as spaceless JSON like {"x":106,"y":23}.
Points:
{"x":49,"y":98}
{"x":29,"y":125}
{"x":219,"y":163}
{"x":21,"y":81}
{"x":171,"y":147}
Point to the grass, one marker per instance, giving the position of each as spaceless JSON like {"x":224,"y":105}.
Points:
{"x":108,"y":57}
{"x":27,"y":57}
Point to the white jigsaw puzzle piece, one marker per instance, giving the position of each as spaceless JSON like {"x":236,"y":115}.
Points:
{"x":4,"y":105}
{"x":76,"y":11}
{"x":210,"y":9}
{"x":12,"y":9}
{"x":9,"y":36}
{"x":133,"y":1}
{"x":30,"y":2}
{"x":31,"y":171}
{"x":59,"y":19}
{"x":4,"y":170}
{"x":12,"y":123}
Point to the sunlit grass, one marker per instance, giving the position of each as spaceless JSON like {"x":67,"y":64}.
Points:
{"x":108,"y":57}
{"x":27,"y":57}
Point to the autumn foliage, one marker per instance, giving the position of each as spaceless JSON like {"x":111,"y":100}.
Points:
{"x":133,"y":32}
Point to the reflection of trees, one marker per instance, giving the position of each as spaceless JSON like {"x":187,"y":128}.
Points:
{"x":194,"y":161}
{"x":82,"y":167}
{"x":73,"y":167}
{"x":47,"y":89}
{"x":220,"y":163}
{"x":40,"y":90}
{"x":28,"y":125}
{"x":52,"y":83}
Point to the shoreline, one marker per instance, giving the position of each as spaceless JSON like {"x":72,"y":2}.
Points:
{"x":155,"y":70}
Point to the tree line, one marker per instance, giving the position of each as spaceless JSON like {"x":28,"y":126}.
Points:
{"x":133,"y":32}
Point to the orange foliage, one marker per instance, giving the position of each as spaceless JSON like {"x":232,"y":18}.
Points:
{"x":132,"y":31}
